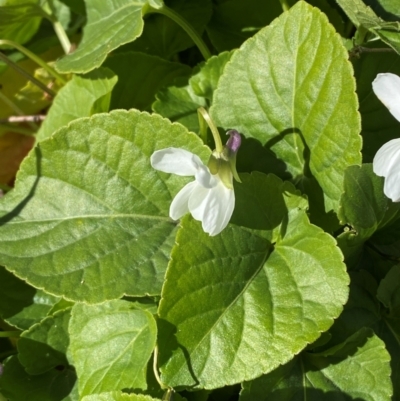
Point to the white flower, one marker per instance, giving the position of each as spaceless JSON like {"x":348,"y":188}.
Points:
{"x":386,"y":162}
{"x":206,"y":198}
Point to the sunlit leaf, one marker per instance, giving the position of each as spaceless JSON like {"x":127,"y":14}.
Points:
{"x":279,"y":88}
{"x":110,"y":24}
{"x":105,"y":230}
{"x":111,"y":345}
{"x":260,"y":293}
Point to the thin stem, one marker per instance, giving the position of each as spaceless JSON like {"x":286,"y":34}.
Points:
{"x":34,"y":58}
{"x":217,"y":139}
{"x":155,"y":369}
{"x":358,"y":50}
{"x":58,"y":28}
{"x":168,"y":12}
{"x":26,"y":74}
{"x":23,"y":119}
{"x":16,"y":109}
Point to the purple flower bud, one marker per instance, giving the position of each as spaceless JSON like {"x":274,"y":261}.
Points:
{"x":234,"y":142}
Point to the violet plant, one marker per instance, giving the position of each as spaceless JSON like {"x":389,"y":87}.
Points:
{"x":143,"y":259}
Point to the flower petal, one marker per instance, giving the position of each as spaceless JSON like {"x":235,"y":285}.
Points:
{"x":213,"y":207}
{"x":387,"y":164}
{"x":387,"y":158}
{"x":205,"y":178}
{"x":387,"y":89}
{"x":180,"y":205}
{"x":176,"y":161}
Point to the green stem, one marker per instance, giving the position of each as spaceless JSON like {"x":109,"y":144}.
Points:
{"x":58,"y":28}
{"x":168,"y":12}
{"x":26,"y":74}
{"x":16,"y":109}
{"x":214,"y":130}
{"x":155,"y":369}
{"x":34,"y":58}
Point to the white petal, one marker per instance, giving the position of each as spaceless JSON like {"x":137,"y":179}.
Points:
{"x":205,"y":178}
{"x":387,"y":164}
{"x":387,"y":158}
{"x":391,"y":187}
{"x":213,"y":207}
{"x":176,"y":161}
{"x":179,"y":206}
{"x":387,"y":89}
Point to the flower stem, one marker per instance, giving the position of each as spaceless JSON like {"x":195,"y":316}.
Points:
{"x":155,"y":368}
{"x":34,"y":58}
{"x":168,"y":12}
{"x":202,"y":112}
{"x":58,"y":28}
{"x":26,"y":74}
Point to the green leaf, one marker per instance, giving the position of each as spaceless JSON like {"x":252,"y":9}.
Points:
{"x":378,"y":125}
{"x":389,"y":291}
{"x":77,"y":6}
{"x":205,"y":81}
{"x":140,"y":77}
{"x":118,"y":396}
{"x":105,"y":230}
{"x":256,"y":293}
{"x":163,"y":37}
{"x":364,"y":16}
{"x":20,"y":304}
{"x":363,"y":204}
{"x":44,"y":346}
{"x":357,"y":11}
{"x":356,"y":369}
{"x":388,"y":329}
{"x":179,"y":103}
{"x":17,"y":385}
{"x":83,"y":96}
{"x":296,"y":97}
{"x":111,"y":345}
{"x":110,"y":25}
{"x":361,"y":310}
{"x":234,"y":21}
{"x":19,"y":22}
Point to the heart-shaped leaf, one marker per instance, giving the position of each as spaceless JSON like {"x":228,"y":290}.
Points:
{"x":249,"y":299}
{"x":279,"y":88}
{"x":104,"y":230}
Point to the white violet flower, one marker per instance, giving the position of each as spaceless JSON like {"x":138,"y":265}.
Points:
{"x":210,"y":198}
{"x":386,"y":162}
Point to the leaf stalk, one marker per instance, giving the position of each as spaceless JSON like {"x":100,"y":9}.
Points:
{"x":34,"y":58}
{"x":172,"y":14}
